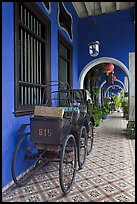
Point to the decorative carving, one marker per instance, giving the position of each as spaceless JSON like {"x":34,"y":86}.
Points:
{"x":65,"y":19}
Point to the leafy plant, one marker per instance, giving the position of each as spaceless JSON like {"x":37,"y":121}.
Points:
{"x":125,"y":108}
{"x":119,"y":99}
{"x":125,"y":105}
{"x":96,"y":113}
{"x":95,"y":90}
{"x":122,"y":102}
{"x":105,"y":110}
{"x":131,"y":130}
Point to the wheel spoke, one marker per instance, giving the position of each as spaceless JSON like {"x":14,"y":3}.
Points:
{"x":67,"y":168}
{"x":82,"y":147}
{"x":90,"y":138}
{"x":25,"y":159}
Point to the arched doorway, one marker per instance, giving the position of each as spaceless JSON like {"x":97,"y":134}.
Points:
{"x":104,"y":82}
{"x":95,"y":62}
{"x":115,"y":86}
{"x":116,"y":80}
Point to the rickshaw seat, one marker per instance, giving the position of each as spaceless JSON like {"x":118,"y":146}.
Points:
{"x":49,"y":111}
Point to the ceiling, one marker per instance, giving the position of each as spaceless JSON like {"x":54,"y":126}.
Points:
{"x":86,"y":9}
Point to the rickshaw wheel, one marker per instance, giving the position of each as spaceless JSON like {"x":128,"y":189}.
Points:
{"x":25,"y":159}
{"x":90,"y":138}
{"x":68,"y":163}
{"x":82,"y":146}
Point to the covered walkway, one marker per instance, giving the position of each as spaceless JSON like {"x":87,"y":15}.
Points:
{"x":108,"y":176}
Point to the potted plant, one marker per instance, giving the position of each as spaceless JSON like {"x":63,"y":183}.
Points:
{"x":96,"y":113}
{"x":125,"y":108}
{"x":105,"y":110}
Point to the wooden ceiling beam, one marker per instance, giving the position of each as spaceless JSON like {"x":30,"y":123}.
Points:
{"x":102,"y":5}
{"x":117,"y":6}
{"x":88,"y":9}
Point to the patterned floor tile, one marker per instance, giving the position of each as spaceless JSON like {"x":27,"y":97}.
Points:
{"x":33,"y":198}
{"x":94,"y":194}
{"x":109,"y":189}
{"x":123,"y":198}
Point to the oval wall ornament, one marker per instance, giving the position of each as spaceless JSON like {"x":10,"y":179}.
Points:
{"x":47,"y":6}
{"x":65,"y":20}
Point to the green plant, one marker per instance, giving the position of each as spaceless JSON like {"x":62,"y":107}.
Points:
{"x":125,"y":109}
{"x":125,"y":105}
{"x":106,"y":108}
{"x":131,"y":130}
{"x":96,"y":113}
{"x":119,"y":100}
{"x":95,"y":91}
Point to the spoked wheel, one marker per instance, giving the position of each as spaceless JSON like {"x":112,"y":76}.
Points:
{"x":68,"y":164}
{"x":82,"y":147}
{"x":90,"y":138}
{"x":26,"y":160}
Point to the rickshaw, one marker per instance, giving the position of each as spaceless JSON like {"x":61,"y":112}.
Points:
{"x":59,"y":131}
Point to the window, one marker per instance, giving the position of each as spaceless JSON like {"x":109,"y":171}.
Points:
{"x":32,"y":56}
{"x":65,"y":60}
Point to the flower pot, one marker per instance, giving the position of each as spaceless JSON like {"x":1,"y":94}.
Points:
{"x":104,"y":117}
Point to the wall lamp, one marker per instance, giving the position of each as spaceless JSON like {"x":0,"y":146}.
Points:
{"x":94,"y":48}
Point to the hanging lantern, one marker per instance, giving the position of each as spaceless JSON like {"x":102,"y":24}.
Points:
{"x":94,"y":49}
{"x":109,"y":68}
{"x":114,"y":78}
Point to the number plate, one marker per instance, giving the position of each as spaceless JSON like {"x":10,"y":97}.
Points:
{"x":46,"y":130}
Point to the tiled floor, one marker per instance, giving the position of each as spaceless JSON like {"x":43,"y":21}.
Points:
{"x":108,"y":175}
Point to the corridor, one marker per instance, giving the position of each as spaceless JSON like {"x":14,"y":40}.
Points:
{"x":108,"y":175}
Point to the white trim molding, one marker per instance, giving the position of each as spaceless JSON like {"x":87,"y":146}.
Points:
{"x":95,"y":62}
{"x":48,"y":11}
{"x":71,"y":21}
{"x":104,"y":82}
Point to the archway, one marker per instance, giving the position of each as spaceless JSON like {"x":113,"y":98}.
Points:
{"x":95,"y":62}
{"x":115,"y":86}
{"x":103,"y":83}
{"x":101,"y":86}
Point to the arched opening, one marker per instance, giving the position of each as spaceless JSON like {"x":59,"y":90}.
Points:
{"x":95,"y":62}
{"x":107,"y":91}
{"x":98,"y":61}
{"x":116,"y":80}
{"x":115,"y":86}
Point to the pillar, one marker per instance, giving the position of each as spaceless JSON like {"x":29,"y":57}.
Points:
{"x":132,"y":87}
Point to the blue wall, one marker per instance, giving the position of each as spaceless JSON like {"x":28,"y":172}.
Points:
{"x":10,"y":123}
{"x":114,"y":31}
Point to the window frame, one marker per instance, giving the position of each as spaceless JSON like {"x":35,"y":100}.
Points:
{"x":62,"y":40}
{"x":20,"y":110}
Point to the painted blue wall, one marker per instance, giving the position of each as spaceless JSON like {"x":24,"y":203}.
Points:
{"x":114,"y":31}
{"x":10,"y":123}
